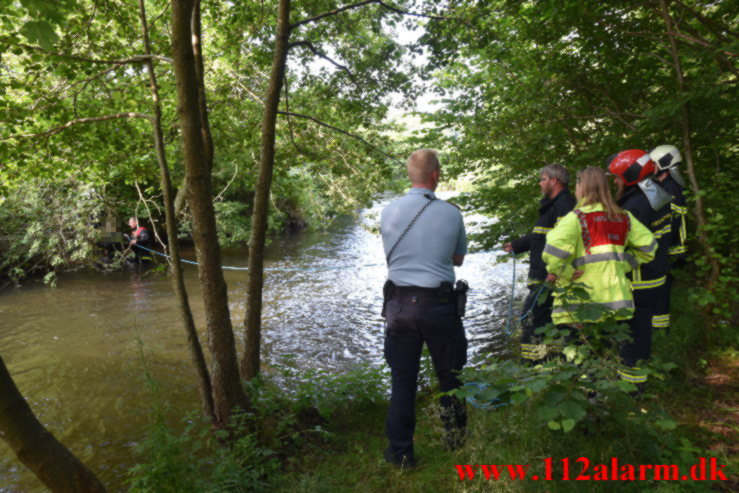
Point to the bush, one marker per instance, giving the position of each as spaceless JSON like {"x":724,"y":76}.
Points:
{"x":46,"y":226}
{"x":289,"y":408}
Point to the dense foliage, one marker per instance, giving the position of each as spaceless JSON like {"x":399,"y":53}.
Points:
{"x":521,"y":84}
{"x":528,"y":83}
{"x":80,"y":60}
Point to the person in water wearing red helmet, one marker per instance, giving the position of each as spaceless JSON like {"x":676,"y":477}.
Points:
{"x":638,"y":193}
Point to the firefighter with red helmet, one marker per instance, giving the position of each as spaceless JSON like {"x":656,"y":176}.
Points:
{"x":640,"y":194}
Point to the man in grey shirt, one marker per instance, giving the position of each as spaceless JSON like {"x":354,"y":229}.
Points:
{"x":424,"y":238}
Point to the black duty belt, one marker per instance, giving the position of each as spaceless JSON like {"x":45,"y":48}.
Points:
{"x":443,"y":294}
{"x":416,"y":291}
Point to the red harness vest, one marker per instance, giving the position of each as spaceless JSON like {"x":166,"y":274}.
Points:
{"x":598,"y":230}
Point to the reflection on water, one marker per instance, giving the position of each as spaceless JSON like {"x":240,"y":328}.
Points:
{"x":75,"y":351}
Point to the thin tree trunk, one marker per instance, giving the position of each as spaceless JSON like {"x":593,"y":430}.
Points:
{"x":698,"y":210}
{"x":36,"y":447}
{"x":255,"y":277}
{"x":197,"y":49}
{"x":179,"y":200}
{"x":228,"y":393}
{"x":178,"y":282}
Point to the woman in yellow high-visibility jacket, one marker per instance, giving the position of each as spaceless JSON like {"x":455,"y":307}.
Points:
{"x":595,"y":245}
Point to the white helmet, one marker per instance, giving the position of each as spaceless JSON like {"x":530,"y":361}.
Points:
{"x":668,"y":158}
{"x":665,"y":157}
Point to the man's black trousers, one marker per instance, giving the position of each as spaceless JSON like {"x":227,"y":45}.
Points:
{"x":535,"y":315}
{"x":411,"y":321}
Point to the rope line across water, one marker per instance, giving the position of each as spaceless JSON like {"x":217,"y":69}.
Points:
{"x":510,"y":323}
{"x":280,"y":269}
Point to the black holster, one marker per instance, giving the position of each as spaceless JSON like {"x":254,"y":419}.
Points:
{"x":460,"y":296}
{"x":388,"y":289}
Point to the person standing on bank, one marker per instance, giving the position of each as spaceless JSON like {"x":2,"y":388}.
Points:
{"x":638,"y":193}
{"x":557,"y":202}
{"x":596,"y":245}
{"x":423,"y":238}
{"x":667,"y":160}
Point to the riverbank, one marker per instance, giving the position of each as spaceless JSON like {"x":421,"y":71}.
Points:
{"x":701,"y":396}
{"x":341,"y":450}
{"x":74,"y":353}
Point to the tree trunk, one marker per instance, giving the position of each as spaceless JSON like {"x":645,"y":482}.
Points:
{"x":228,"y":393}
{"x":36,"y":447}
{"x":255,"y":277}
{"x":197,"y":49}
{"x":178,"y":282}
{"x":698,"y":210}
{"x":179,"y":200}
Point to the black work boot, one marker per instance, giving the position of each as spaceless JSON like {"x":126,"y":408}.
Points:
{"x":453,"y":439}
{"x":404,"y":462}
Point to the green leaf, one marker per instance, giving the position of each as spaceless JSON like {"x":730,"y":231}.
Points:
{"x":547,"y":413}
{"x":40,"y":32}
{"x":570,"y":352}
{"x":572,"y":410}
{"x":626,"y":386}
{"x":666,"y":424}
{"x":519,"y":397}
{"x":568,"y":425}
{"x":553,"y":398}
{"x":553,"y":425}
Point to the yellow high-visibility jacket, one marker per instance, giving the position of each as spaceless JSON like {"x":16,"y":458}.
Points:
{"x":605,"y":251}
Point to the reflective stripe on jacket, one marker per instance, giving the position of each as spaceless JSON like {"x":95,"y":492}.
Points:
{"x":679,"y":212}
{"x":550,"y":211}
{"x":604,"y":251}
{"x":651,"y":274}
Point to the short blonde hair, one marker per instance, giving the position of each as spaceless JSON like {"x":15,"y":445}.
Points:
{"x":421,"y":164}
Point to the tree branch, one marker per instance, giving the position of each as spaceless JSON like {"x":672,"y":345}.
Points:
{"x":368,"y":2}
{"x":333,"y":12}
{"x":323,"y":55}
{"x":164,"y":11}
{"x":289,"y":122}
{"x":337,"y":129}
{"x":415,"y":14}
{"x":702,"y":43}
{"x":133,"y":59}
{"x":715,"y":26}
{"x":71,"y":123}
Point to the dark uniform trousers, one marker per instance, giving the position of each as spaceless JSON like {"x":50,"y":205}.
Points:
{"x":415,"y":317}
{"x":640,"y":326}
{"x":535,"y":315}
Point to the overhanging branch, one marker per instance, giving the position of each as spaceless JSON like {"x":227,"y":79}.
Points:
{"x":78,"y":121}
{"x":337,"y":129}
{"x":333,"y":12}
{"x":71,"y":56}
{"x":323,"y":55}
{"x":368,"y":2}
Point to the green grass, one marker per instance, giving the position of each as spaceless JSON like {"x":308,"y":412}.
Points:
{"x":343,"y":452}
{"x":351,"y":458}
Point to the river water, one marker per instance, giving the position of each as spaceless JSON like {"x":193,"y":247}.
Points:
{"x":77,"y":352}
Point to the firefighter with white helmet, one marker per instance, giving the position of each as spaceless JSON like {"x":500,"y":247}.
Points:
{"x":667,"y":160}
{"x":640,"y":194}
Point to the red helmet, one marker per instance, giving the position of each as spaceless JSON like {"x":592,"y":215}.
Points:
{"x":632,"y":166}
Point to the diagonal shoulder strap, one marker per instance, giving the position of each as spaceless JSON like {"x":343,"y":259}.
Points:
{"x":583,"y":230}
{"x":408,"y":228}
